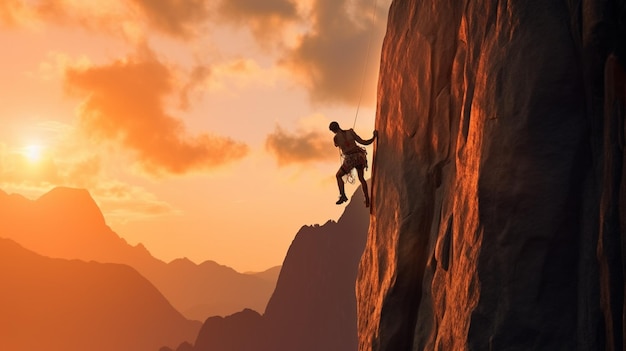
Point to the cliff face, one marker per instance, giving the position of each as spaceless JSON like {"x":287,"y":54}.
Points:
{"x":499,"y":196}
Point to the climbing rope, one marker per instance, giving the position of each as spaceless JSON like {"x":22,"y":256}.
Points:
{"x":367,"y":58}
{"x":351,"y":177}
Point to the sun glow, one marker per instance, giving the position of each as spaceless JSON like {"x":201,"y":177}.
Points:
{"x":33,"y":152}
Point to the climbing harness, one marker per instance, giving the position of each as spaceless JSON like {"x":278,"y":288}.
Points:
{"x":352,"y":160}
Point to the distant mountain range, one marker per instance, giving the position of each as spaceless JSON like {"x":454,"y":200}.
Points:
{"x":71,"y":305}
{"x":314,"y":306}
{"x":67,"y":223}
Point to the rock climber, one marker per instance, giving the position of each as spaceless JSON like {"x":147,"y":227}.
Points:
{"x":354,"y":156}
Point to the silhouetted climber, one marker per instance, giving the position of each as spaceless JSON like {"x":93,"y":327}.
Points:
{"x":354,"y":156}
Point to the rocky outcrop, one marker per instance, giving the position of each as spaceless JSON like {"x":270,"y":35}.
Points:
{"x":314,"y":305}
{"x":240,"y":331}
{"x":499,"y":191}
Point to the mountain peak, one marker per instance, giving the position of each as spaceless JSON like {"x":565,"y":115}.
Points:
{"x":64,"y":203}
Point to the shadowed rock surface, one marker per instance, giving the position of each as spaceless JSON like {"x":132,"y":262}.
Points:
{"x":314,"y":305}
{"x":499,"y":215}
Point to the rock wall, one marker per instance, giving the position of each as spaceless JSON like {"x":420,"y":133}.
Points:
{"x":499,"y":191}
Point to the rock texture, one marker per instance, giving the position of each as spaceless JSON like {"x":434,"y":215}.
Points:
{"x":499,"y":191}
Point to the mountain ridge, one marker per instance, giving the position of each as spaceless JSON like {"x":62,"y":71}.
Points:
{"x":46,"y":300}
{"x":314,"y":305}
{"x":66,"y":223}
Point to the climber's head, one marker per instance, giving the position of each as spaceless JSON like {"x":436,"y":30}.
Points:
{"x":334,"y":126}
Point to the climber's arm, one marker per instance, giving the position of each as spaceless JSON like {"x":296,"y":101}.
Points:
{"x":364,"y":142}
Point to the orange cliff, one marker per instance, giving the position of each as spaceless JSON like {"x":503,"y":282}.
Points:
{"x":498,"y":188}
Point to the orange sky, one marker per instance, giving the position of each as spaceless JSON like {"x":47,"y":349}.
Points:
{"x":199,"y":127}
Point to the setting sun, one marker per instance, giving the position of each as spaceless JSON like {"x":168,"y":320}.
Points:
{"x":33,"y":152}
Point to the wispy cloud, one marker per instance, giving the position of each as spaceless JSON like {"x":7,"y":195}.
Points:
{"x":125,"y":103}
{"x":121,"y":202}
{"x":65,"y":160}
{"x":93,"y":15}
{"x":180,"y":19}
{"x":174,"y":17}
{"x":300,"y":147}
{"x":266,"y":19}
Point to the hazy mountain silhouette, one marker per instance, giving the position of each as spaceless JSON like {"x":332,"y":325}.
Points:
{"x":314,"y":305}
{"x":240,"y":331}
{"x":270,"y":274}
{"x":70,"y":305}
{"x":67,"y":223}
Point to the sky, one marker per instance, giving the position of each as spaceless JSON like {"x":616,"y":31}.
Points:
{"x":199,"y":127}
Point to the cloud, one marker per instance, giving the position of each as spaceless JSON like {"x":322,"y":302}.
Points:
{"x":61,"y":160}
{"x":240,"y":73}
{"x":179,"y":18}
{"x":199,"y":74}
{"x":56,"y":63}
{"x":130,"y":18}
{"x":266,"y":19}
{"x":122,"y":203}
{"x":300,"y":147}
{"x":66,"y":161}
{"x":125,"y":103}
{"x":16,"y":168}
{"x":330,"y":57}
{"x":11,"y":12}
{"x":93,"y":15}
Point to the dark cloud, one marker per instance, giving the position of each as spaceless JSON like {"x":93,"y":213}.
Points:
{"x":266,"y":19}
{"x":175,"y":17}
{"x":299,"y":147}
{"x":246,"y":9}
{"x":331,"y":57}
{"x":125,"y":103}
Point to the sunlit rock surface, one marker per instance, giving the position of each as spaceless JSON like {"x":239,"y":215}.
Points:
{"x":499,"y":196}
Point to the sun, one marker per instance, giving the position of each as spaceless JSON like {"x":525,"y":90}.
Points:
{"x":33,"y":152}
